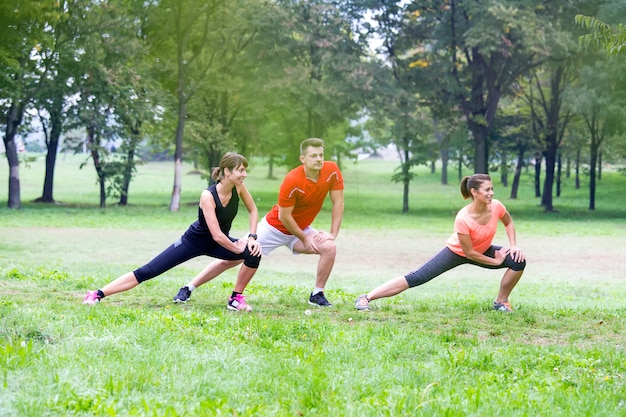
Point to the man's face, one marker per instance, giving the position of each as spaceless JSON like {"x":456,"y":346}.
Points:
{"x":313,"y":158}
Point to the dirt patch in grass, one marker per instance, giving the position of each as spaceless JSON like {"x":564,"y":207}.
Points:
{"x":361,"y":254}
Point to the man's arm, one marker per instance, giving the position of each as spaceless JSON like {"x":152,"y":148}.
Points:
{"x":285,"y":215}
{"x":336,"y":196}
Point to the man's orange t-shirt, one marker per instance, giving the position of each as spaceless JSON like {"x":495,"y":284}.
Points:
{"x":305,"y":195}
{"x":481,"y":235}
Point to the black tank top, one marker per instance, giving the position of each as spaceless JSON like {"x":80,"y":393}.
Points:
{"x":225,"y":215}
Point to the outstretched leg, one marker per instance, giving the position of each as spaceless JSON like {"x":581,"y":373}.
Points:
{"x":435,"y":266}
{"x":122,"y":283}
{"x":389,"y":288}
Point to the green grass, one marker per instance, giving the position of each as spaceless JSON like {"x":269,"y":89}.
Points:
{"x":437,"y":350}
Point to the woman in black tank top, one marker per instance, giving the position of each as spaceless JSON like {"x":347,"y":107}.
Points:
{"x":208,"y":235}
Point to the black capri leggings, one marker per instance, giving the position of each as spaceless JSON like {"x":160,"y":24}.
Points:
{"x":183,"y":250}
{"x":445,"y":260}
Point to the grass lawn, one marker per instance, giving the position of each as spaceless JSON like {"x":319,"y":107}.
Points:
{"x":436,"y":350}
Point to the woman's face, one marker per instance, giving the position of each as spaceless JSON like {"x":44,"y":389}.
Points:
{"x":484,"y":193}
{"x":237,"y":175}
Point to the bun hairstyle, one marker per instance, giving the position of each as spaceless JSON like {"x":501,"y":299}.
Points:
{"x":230,"y":160}
{"x":475,"y":181}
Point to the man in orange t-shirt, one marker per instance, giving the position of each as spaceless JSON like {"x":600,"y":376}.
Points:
{"x":300,"y":199}
{"x":288,"y":223}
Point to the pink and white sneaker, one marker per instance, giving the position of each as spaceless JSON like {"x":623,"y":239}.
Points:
{"x":91,"y":298}
{"x":238,"y":303}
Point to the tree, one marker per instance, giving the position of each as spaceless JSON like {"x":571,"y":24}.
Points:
{"x":179,"y":32}
{"x":547,"y":85}
{"x":599,"y":101}
{"x":545,"y":99}
{"x":25,"y":65}
{"x":318,"y":81}
{"x":225,"y":111}
{"x":112,"y":98}
{"x":468,"y":53}
{"x":398,"y":115}
{"x":52,"y":100}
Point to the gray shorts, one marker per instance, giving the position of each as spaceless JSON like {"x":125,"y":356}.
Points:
{"x":271,"y":238}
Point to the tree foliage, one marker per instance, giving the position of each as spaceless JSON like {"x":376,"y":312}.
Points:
{"x":602,"y":35}
{"x":474,"y":82}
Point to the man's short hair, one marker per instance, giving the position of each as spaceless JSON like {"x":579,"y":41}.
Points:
{"x":310,"y":143}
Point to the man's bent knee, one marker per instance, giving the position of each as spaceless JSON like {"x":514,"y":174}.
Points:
{"x":328,"y":248}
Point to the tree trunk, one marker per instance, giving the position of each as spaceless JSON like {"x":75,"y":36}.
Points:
{"x":478,"y":110}
{"x":518,"y":174}
{"x":552,"y":112}
{"x":129,"y":166}
{"x":95,"y":156}
{"x":538,"y":175}
{"x":594,"y":151}
{"x":52,"y":148}
{"x":214,"y":159}
{"x":51,"y":160}
{"x":504,"y":170}
{"x":405,"y":181}
{"x":559,"y":169}
{"x":444,"y":153}
{"x":405,"y":197}
{"x":14,"y":119}
{"x":600,"y":164}
{"x":548,"y":183}
{"x":178,"y":154}
{"x":577,"y":168}
{"x":270,"y":168}
{"x":592,"y":174}
{"x":481,"y":151}
{"x":443,"y":144}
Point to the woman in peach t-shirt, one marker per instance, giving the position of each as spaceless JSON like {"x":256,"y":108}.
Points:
{"x":474,"y":228}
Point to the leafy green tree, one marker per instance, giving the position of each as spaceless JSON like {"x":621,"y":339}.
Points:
{"x":549,"y":120}
{"x":468,"y":53}
{"x":25,"y":64}
{"x":224,"y":113}
{"x":515,"y":139}
{"x":180,"y":33}
{"x":398,"y":114}
{"x":112,"y":100}
{"x":134,"y":93}
{"x":54,"y":96}
{"x":599,"y":101}
{"x":547,"y":85}
{"x":318,"y":81}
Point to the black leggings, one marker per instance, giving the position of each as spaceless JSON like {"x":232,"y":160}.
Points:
{"x":445,"y":260}
{"x":183,"y":250}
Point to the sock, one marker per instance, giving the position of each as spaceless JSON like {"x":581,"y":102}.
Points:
{"x":191,"y":287}
{"x":235,"y":294}
{"x":317,"y":290}
{"x":100,"y":294}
